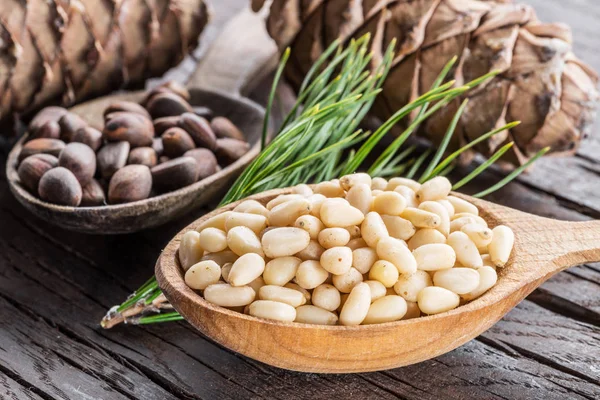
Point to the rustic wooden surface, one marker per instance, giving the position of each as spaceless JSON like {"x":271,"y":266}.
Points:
{"x":56,"y":285}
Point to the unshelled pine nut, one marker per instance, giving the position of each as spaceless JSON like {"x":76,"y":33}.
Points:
{"x":349,"y":181}
{"x":295,"y":286}
{"x":409,"y":195}
{"x":202,"y":274}
{"x":386,"y":309}
{"x":316,"y":200}
{"x":396,"y":182}
{"x":282,"y":294}
{"x":363,"y":259}
{"x":466,"y":251}
{"x":412,"y":310}
{"x":310,"y":224}
{"x":357,"y":305}
{"x":344,"y":283}
{"x":425,"y":236}
{"x":378,"y":183}
{"x":221,"y":258}
{"x":225,"y":295}
{"x":409,"y":286}
{"x":190,"y":249}
{"x":437,"y":188}
{"x":440,"y":211}
{"x":281,"y":242}
{"x":398,"y":227}
{"x":333,"y":237}
{"x":421,"y":218}
{"x":246,"y":269}
{"x":373,"y":229}
{"x":225,"y":269}
{"x":384,"y":272}
{"x":329,"y":189}
{"x":282,"y":199}
{"x":501,"y":245}
{"x":360,"y":197}
{"x":242,"y":240}
{"x":462,"y":206}
{"x":256,"y":222}
{"x":457,"y":280}
{"x":251,"y":207}
{"x":273,"y":310}
{"x":326,"y":296}
{"x":302,"y":189}
{"x":218,"y":221}
{"x":337,"y":260}
{"x":487,"y":278}
{"x":315,"y":315}
{"x":435,"y":300}
{"x":479,"y":234}
{"x":286,"y":213}
{"x":310,"y":274}
{"x":213,"y":240}
{"x":281,"y":270}
{"x":435,"y":256}
{"x":448,"y":206}
{"x":339,"y":213}
{"x":313,"y":251}
{"x":377,"y":289}
{"x":396,"y":252}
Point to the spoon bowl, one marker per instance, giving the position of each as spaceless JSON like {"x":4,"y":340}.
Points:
{"x":542,"y":248}
{"x":157,"y":210}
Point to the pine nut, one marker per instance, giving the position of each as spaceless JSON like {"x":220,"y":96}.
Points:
{"x":281,"y":270}
{"x":435,"y":300}
{"x":202,"y":274}
{"x":242,"y":240}
{"x":190,"y":249}
{"x":213,"y":240}
{"x":466,"y":251}
{"x":225,"y":295}
{"x":257,"y":284}
{"x":435,"y":256}
{"x":326,"y":296}
{"x":333,"y":237}
{"x":310,"y":224}
{"x":315,"y":315}
{"x":426,"y":236}
{"x":356,"y":244}
{"x":487,"y":261}
{"x":386,"y":309}
{"x":303,"y":190}
{"x":378,"y":183}
{"x":376,"y":192}
{"x":310,"y":274}
{"x":398,"y":227}
{"x":256,"y":222}
{"x":339,"y":213}
{"x":281,"y":242}
{"x":286,"y":213}
{"x":396,"y":252}
{"x":251,"y":207}
{"x":306,"y":293}
{"x":274,"y":310}
{"x":316,"y":200}
{"x":225,"y":269}
{"x":377,"y":289}
{"x":409,"y":286}
{"x":373,"y":229}
{"x":357,"y":305}
{"x":282,"y":294}
{"x":448,"y":206}
{"x":222,"y":257}
{"x":501,"y":245}
{"x":344,"y":283}
{"x":218,"y":221}
{"x":353,"y":231}
{"x":412,"y":310}
{"x":396,"y":182}
{"x":462,"y":206}
{"x":363,"y":259}
{"x":246,"y":269}
{"x":487,"y":278}
{"x":409,"y":195}
{"x":329,"y":189}
{"x":389,"y":203}
{"x":440,"y":211}
{"x":421,"y":218}
{"x":349,"y":181}
{"x":337,"y":260}
{"x":360,"y":197}
{"x":479,"y":234}
{"x":437,"y":188}
{"x":458,"y":223}
{"x":282,"y":199}
{"x":384,"y":272}
{"x":457,"y":280}
{"x":313,"y":251}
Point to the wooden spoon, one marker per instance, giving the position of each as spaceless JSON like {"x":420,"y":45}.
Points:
{"x":542,"y":248}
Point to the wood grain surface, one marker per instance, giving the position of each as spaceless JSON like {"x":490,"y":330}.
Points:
{"x":56,"y":285}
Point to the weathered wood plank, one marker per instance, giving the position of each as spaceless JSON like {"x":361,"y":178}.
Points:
{"x":13,"y":390}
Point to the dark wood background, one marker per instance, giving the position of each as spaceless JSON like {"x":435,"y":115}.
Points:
{"x":56,"y":285}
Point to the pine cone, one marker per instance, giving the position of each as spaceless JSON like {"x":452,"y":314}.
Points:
{"x":66,"y":51}
{"x":541,"y":83}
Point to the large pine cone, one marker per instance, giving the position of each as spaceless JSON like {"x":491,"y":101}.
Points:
{"x":64,"y":51}
{"x":542,"y":83}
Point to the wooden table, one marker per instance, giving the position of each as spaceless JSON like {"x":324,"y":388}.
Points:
{"x":56,"y":285}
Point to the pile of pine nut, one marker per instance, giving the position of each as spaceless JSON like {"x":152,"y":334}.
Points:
{"x":357,"y":250}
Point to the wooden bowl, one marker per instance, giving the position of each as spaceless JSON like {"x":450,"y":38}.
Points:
{"x":135,"y":216}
